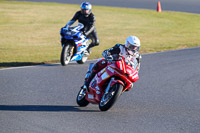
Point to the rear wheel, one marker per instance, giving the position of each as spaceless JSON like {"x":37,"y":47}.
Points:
{"x":85,"y":56}
{"x":80,"y":99}
{"x":109,"y":98}
{"x":83,"y":59}
{"x":66,"y":54}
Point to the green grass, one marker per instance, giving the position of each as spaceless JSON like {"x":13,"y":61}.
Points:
{"x":29,"y":32}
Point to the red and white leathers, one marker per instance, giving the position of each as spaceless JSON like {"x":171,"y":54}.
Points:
{"x":119,"y":49}
{"x":132,"y":60}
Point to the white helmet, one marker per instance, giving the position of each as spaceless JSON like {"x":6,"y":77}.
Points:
{"x":132,"y":44}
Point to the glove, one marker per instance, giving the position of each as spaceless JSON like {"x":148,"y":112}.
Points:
{"x":106,"y":53}
{"x":109,"y":57}
{"x":66,"y":28}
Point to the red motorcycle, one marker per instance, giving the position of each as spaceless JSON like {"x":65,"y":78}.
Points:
{"x":108,"y":84}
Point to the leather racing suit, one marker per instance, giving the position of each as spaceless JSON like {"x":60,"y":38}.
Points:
{"x":132,"y":60}
{"x":89,"y":26}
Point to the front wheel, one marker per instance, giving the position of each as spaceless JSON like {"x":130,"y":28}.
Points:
{"x":108,"y":99}
{"x":80,"y":99}
{"x":66,"y":54}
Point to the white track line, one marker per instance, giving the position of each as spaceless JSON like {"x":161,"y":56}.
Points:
{"x":94,"y":59}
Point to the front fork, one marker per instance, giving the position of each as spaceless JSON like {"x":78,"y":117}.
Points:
{"x":111,"y":83}
{"x":108,"y":87}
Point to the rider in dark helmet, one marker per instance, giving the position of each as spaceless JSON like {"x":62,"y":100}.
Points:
{"x":87,"y":18}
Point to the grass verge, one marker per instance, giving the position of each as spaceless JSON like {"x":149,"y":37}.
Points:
{"x":29,"y":31}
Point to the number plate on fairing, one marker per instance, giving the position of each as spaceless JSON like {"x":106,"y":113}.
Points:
{"x":90,"y":96}
{"x":104,"y":76}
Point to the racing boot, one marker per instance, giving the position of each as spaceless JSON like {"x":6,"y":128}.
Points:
{"x":86,"y":53}
{"x":88,"y":77}
{"x":88,"y":80}
{"x":89,"y":50}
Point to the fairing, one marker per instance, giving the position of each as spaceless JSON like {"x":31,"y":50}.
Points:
{"x":124,"y":74}
{"x":75,"y":37}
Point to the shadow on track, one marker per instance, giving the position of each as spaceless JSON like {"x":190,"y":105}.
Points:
{"x":18,"y":64}
{"x":22,"y":64}
{"x":47,"y":108}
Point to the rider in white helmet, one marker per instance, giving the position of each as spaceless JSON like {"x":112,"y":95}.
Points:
{"x":130,"y":51}
{"x":132,"y":44}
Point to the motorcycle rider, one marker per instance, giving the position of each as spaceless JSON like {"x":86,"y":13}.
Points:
{"x":87,"y":18}
{"x":130,"y":51}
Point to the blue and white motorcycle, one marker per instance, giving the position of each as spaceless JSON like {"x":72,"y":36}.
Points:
{"x":74,"y":45}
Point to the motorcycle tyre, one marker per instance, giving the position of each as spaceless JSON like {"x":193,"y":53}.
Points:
{"x":63,"y":57}
{"x":82,"y":102}
{"x":110,"y":103}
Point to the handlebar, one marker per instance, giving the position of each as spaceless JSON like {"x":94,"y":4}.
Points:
{"x":114,"y":57}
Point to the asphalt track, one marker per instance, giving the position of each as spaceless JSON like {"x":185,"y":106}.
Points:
{"x":166,"y":99}
{"x":191,"y":6}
